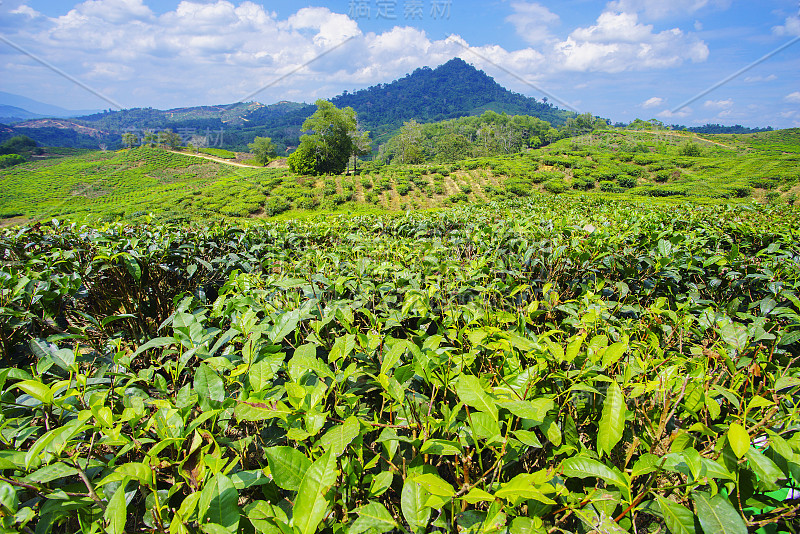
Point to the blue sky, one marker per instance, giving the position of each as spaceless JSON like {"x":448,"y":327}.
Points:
{"x":620,"y":59}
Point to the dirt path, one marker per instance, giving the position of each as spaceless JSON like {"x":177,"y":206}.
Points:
{"x":218,"y":160}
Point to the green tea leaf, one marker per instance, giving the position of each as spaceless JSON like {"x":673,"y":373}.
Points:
{"x":717,"y":515}
{"x":412,"y":504}
{"x":582,"y":467}
{"x":435,"y":485}
{"x":613,"y":353}
{"x":208,"y":385}
{"x":441,"y":447}
{"x":678,"y":518}
{"x":339,"y":437}
{"x":287,"y":465}
{"x":284,"y":326}
{"x":310,"y":505}
{"x":219,"y":503}
{"x":523,"y":486}
{"x":373,"y":517}
{"x":739,"y":439}
{"x":535,"y":409}
{"x":37,"y":390}
{"x":116,"y":514}
{"x":470,"y":391}
{"x":612,"y":421}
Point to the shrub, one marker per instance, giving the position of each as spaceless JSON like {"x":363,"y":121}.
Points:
{"x":626,"y":181}
{"x":608,"y":186}
{"x":764,"y":182}
{"x":456,"y":198}
{"x":403,"y":188}
{"x":517,"y":187}
{"x":582,"y":184}
{"x":543,"y":176}
{"x":10,"y":160}
{"x":276,"y":206}
{"x":663,"y":176}
{"x":690,"y":149}
{"x":555,"y":186}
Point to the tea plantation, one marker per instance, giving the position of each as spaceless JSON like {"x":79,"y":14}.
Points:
{"x":546,"y":364}
{"x":132,"y":184}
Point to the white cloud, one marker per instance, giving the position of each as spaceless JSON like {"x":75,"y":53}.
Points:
{"x":619,"y":42}
{"x":794,"y":98}
{"x":659,"y":9}
{"x":680,"y":114}
{"x":26,"y":10}
{"x":533,"y":21}
{"x":653,"y":102}
{"x":790,"y":28}
{"x":757,"y":79}
{"x":221,"y":50}
{"x":719,"y":104}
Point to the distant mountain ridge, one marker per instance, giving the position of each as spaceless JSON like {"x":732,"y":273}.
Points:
{"x":454,"y":89}
{"x":36,"y":109}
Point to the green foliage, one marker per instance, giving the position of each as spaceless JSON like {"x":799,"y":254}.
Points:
{"x":263,"y":150}
{"x":558,"y":362}
{"x":19,"y":144}
{"x":330,"y":142}
{"x":10,"y":160}
{"x":690,"y":150}
{"x":303,"y":161}
{"x":555,"y":186}
{"x":626,"y":181}
{"x":218,"y":152}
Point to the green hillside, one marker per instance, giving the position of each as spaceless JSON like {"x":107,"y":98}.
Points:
{"x":132,"y":183}
{"x":455,"y":89}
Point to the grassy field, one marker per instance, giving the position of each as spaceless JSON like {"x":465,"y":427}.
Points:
{"x":130,"y":184}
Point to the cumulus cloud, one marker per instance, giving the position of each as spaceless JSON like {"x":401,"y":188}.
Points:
{"x":653,"y":102}
{"x":794,"y":98}
{"x":790,"y":28}
{"x":680,"y":114}
{"x":533,"y":21}
{"x":659,"y":9}
{"x":26,"y":10}
{"x":718,"y":104}
{"x":220,"y":50}
{"x":619,"y":42}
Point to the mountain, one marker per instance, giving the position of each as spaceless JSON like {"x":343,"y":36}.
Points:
{"x":455,"y":89}
{"x":39,"y":109}
{"x":15,"y":114}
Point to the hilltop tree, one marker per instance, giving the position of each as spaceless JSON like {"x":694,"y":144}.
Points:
{"x":19,"y":144}
{"x":330,"y":143}
{"x":263,"y":149}
{"x":169,"y":139}
{"x":129,"y":140}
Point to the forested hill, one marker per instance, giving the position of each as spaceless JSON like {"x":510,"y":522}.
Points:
{"x":455,"y":89}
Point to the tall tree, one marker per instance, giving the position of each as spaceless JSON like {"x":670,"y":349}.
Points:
{"x":130,"y":139}
{"x":361,"y":146}
{"x":411,"y":146}
{"x":169,"y":139}
{"x":330,"y":140}
{"x":263,"y":149}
